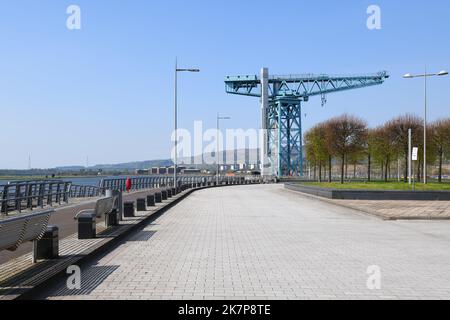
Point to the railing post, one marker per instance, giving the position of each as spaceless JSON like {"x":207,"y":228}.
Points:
{"x":50,"y":194}
{"x":58,"y":193}
{"x":18,"y":204}
{"x":29,"y":195}
{"x":4,"y":204}
{"x":41,"y":195}
{"x":67,"y":187}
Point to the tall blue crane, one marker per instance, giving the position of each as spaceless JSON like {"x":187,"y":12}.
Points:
{"x":281,"y":98}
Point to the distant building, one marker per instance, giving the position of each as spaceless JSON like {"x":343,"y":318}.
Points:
{"x":170,"y":170}
{"x":141,"y":171}
{"x":191,"y":171}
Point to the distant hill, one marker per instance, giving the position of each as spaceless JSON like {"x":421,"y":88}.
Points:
{"x":249,"y":156}
{"x":121,"y":166}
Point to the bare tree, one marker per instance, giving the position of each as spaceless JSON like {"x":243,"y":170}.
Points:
{"x":440,"y":130}
{"x":369,"y":151}
{"x":398,"y":130}
{"x":347,"y":136}
{"x":384,"y":149}
{"x":315,"y":144}
{"x":348,"y":139}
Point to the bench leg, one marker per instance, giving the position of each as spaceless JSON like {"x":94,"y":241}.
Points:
{"x":48,"y":246}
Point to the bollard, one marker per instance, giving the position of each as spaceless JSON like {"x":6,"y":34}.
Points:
{"x":140,"y":205}
{"x":111,"y":219}
{"x":174,"y":192}
{"x":169,"y":193}
{"x":151,"y":200}
{"x":158,"y":197}
{"x":87,"y":226}
{"x":128,"y":209}
{"x":48,"y":247}
{"x":164,"y":194}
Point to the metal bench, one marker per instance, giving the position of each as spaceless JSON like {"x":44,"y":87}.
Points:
{"x":87,"y":218}
{"x":16,"y":230}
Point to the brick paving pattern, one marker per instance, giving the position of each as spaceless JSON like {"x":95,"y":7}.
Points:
{"x":423,"y":210}
{"x":262,"y":242}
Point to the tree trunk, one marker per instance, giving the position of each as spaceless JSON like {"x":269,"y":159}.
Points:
{"x":329,"y":167}
{"x":386,"y":171}
{"x":320,"y":171}
{"x":342,"y":168}
{"x":368,"y":167}
{"x":346,"y":166}
{"x":406,"y":168}
{"x":418,"y":171}
{"x":441,"y":156}
{"x":388,"y":165}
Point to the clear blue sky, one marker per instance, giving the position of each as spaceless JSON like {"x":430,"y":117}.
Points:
{"x":106,"y":91}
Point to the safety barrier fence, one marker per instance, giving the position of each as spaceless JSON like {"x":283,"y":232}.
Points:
{"x":85,"y":191}
{"x":27,"y":195}
{"x":21,"y":195}
{"x":163,"y":181}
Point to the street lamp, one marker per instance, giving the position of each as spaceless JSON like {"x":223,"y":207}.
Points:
{"x":176,"y":120}
{"x":219,"y":117}
{"x":425,"y":76}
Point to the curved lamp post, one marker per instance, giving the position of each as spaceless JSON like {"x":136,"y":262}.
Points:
{"x":219,"y":117}
{"x":425,"y":76}
{"x":176,"y":119}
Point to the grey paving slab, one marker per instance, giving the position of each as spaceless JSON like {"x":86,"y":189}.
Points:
{"x":262,"y":242}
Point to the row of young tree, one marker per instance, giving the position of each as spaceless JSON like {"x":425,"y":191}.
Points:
{"x":348,"y":140}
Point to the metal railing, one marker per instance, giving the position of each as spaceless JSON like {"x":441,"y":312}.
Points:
{"x":20,"y":195}
{"x":163,"y":181}
{"x":137,"y":183}
{"x":77,"y":191}
{"x":27,"y":195}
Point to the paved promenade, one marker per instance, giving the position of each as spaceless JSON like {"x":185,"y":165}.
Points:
{"x":262,"y":242}
{"x":398,"y":210}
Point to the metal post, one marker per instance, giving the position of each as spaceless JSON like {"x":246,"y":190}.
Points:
{"x":425,"y":179}
{"x":279,"y":150}
{"x":176,"y":126}
{"x":409,"y":155}
{"x":217,"y":151}
{"x":425,"y":75}
{"x":264,"y":106}
{"x":176,"y":118}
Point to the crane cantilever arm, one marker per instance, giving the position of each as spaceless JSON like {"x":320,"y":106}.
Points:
{"x":302,"y":86}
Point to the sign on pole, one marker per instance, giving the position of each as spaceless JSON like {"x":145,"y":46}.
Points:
{"x":415,"y":154}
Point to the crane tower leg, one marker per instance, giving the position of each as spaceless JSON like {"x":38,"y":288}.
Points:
{"x":285,"y":136}
{"x":264,"y":142}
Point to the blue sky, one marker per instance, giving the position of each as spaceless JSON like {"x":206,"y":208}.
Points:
{"x":106,"y":91}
